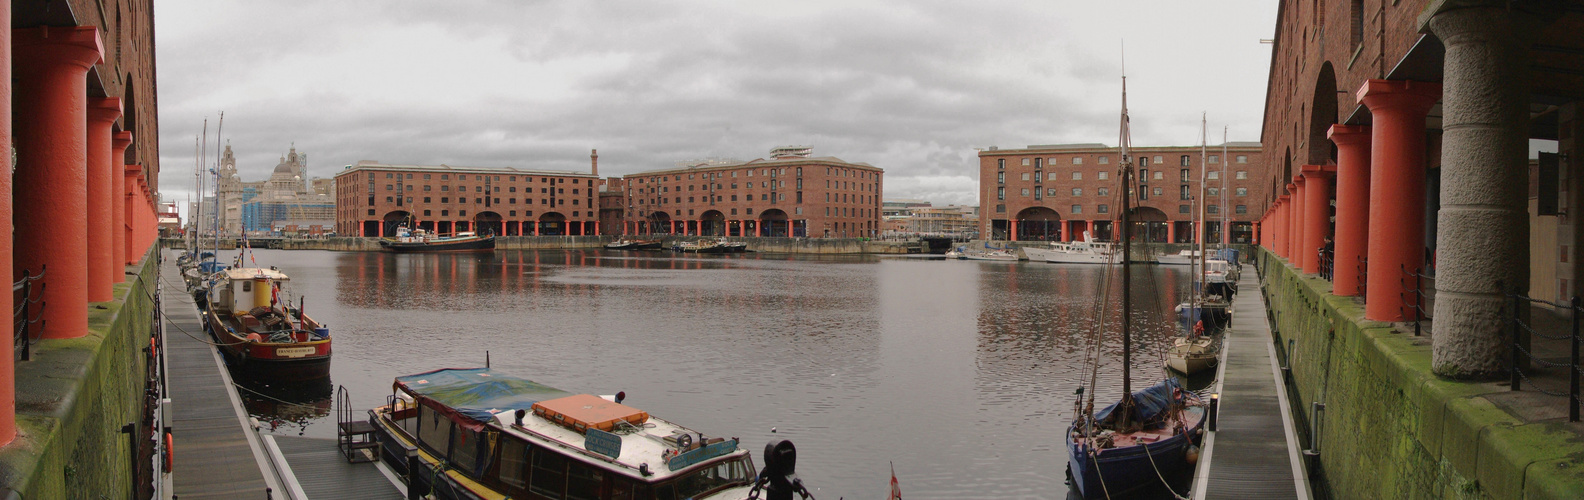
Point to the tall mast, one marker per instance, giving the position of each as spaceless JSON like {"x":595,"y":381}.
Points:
{"x":1204,"y":166}
{"x":1226,"y":229}
{"x":1127,"y":254}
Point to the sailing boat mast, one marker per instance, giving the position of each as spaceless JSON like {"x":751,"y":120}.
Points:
{"x":1200,"y":232}
{"x":1226,"y":230}
{"x":1125,"y":407}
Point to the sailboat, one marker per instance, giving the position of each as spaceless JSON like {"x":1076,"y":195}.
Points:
{"x":1205,"y":309}
{"x":1146,"y":436}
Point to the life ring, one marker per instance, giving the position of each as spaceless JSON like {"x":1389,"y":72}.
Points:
{"x":170,"y":452}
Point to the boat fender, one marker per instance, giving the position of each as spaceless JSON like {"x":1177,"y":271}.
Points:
{"x":170,"y":452}
{"x":1191,"y":454}
{"x":254,"y":337}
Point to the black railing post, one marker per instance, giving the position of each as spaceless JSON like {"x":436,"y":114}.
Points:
{"x":1573,"y":365}
{"x":1515,"y":349}
{"x":1418,"y":300}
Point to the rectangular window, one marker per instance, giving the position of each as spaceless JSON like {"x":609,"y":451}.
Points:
{"x":1184,"y":173}
{"x":1000,"y":193}
{"x":1050,"y":192}
{"x":1215,"y":159}
{"x":1105,"y":160}
{"x":1025,"y":176}
{"x":1103,"y":191}
{"x":1214,"y":191}
{"x":1144,"y":161}
{"x":1214,"y":209}
{"x":1182,"y":209}
{"x":1000,"y":209}
{"x":1242,"y":174}
{"x":1242,"y":159}
{"x":1025,"y":162}
{"x":1077,"y":191}
{"x":1077,"y":160}
{"x":1213,"y":175}
{"x":1242,"y":209}
{"x":1025,"y":192}
{"x":549,"y":473}
{"x":1103,"y":209}
{"x":1158,"y":191}
{"x":1143,"y":175}
{"x":1001,"y":177}
{"x":1242,"y":191}
{"x":1159,"y":175}
{"x":1051,"y":176}
{"x":1182,"y":193}
{"x":1101,"y":175}
{"x":1077,"y":209}
{"x":1077,"y":176}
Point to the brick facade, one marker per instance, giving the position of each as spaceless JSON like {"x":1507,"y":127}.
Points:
{"x":1059,"y":191}
{"x":799,"y":196}
{"x":373,"y":199}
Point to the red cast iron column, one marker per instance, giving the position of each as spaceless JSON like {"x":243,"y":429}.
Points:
{"x":1352,"y":205}
{"x":102,"y":268}
{"x":1397,"y":190}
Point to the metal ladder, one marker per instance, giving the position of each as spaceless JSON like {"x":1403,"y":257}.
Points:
{"x":353,"y":435}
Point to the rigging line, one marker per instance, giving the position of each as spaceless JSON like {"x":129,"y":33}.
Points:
{"x":275,"y":399}
{"x":164,"y":317}
{"x":1157,"y":472}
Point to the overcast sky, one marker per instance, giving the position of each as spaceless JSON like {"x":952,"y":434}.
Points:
{"x":908,"y":86}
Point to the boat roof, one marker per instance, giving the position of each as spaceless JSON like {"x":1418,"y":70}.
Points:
{"x":493,"y":398}
{"x":244,"y":273}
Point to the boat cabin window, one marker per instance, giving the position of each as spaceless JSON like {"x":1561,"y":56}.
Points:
{"x":706,"y":480}
{"x":434,"y":430}
{"x":247,"y":286}
{"x":464,"y":449}
{"x":513,"y":459}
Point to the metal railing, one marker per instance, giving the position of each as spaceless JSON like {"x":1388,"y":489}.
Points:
{"x":1519,"y":351}
{"x":1327,"y":263}
{"x":1420,"y":296}
{"x":1363,"y":279}
{"x":23,"y":319}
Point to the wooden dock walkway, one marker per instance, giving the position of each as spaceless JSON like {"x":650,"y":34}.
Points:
{"x":214,"y":458}
{"x":323,"y":472}
{"x":1253,"y":453}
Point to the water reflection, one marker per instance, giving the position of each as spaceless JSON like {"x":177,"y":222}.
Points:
{"x":959,"y":372}
{"x":283,"y":407}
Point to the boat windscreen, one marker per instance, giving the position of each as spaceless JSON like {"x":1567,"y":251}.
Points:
{"x":1150,"y":404}
{"x":473,"y":396}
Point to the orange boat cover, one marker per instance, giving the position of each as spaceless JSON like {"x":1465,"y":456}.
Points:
{"x":583,"y":411}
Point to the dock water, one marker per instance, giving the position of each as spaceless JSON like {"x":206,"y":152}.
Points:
{"x":1253,"y":453}
{"x":218,"y":454}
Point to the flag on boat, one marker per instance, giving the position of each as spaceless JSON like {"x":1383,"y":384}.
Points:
{"x":896,"y":489}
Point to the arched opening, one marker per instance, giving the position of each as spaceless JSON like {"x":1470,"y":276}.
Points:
{"x":552,"y":224}
{"x":1322,"y":115}
{"x":1039,"y":224}
{"x":658,"y":223}
{"x":1287,"y":173}
{"x":712,"y":223}
{"x":393,"y":219}
{"x":1149,"y":224}
{"x":488,"y":224}
{"x":774,"y":223}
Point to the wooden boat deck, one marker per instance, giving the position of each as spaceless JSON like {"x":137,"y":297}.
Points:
{"x":1253,"y":453}
{"x":324,"y":473}
{"x":213,"y":456}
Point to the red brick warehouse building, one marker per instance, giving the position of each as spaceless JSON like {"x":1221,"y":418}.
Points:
{"x":372,"y":199}
{"x":791,"y":194}
{"x":1056,"y":192}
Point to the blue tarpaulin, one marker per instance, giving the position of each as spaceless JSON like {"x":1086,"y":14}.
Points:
{"x":1150,"y":404}
{"x":472,"y":396}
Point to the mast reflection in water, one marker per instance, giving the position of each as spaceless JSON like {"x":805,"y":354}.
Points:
{"x":959,"y":372}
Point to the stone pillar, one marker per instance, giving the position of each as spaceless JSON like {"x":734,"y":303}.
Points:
{"x":1397,"y":190}
{"x":118,"y":212}
{"x":1482,"y":234}
{"x":1296,"y":251}
{"x":51,"y":188}
{"x":102,"y":268}
{"x":1352,"y":206}
{"x":1317,"y":212}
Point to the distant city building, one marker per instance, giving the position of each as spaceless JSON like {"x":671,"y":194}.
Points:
{"x":372,"y":199}
{"x":255,"y":206}
{"x":791,"y":194}
{"x":1059,"y":191}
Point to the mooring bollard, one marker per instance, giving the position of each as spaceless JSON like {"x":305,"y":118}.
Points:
{"x":1215,"y":410}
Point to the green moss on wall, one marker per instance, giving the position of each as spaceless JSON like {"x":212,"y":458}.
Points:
{"x":74,"y":396}
{"x":1391,"y":428}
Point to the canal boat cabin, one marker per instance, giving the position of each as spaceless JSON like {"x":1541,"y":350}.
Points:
{"x":476,"y":434}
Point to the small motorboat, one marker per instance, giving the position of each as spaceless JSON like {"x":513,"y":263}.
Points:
{"x":995,"y":254}
{"x":1192,"y":354}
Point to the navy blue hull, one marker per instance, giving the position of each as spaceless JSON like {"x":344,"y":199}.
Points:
{"x":1133,"y":468}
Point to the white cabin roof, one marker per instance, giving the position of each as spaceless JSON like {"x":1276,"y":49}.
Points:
{"x":644,"y":445}
{"x":245,"y":273}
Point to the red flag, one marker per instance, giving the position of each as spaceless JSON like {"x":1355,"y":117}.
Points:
{"x":896,"y":489}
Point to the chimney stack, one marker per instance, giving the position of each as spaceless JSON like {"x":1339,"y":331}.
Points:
{"x":594,"y":161}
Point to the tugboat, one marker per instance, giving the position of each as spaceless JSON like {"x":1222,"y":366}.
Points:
{"x":473,"y":433}
{"x":421,"y":240}
{"x":258,"y":331}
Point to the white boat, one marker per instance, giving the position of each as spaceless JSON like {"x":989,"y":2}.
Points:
{"x":1192,"y":355}
{"x":955,"y":253}
{"x":1087,"y":251}
{"x":1182,"y":258}
{"x":996,"y":254}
